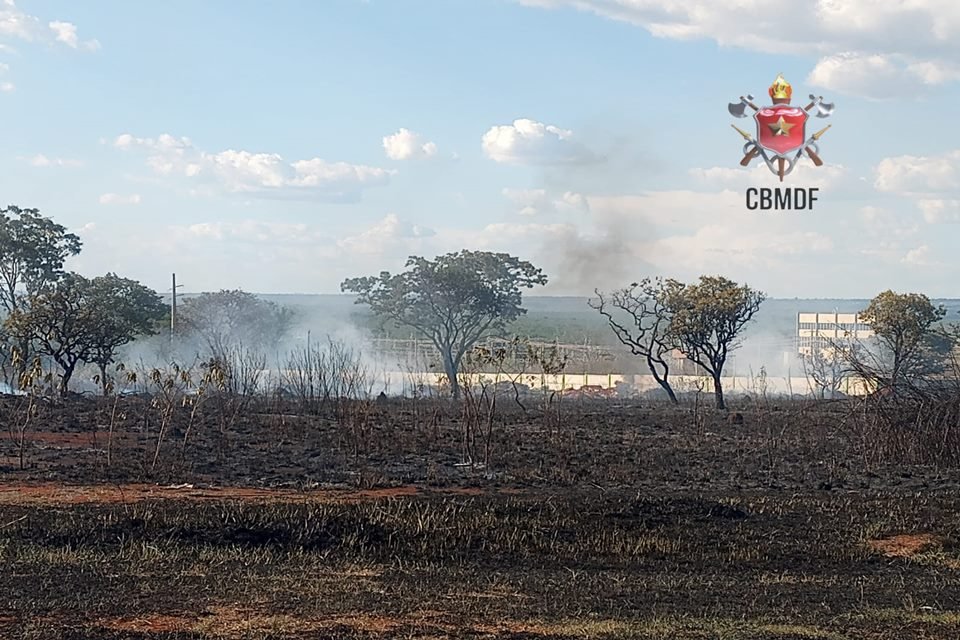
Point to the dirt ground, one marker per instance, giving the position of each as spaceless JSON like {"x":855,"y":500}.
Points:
{"x":609,"y":520}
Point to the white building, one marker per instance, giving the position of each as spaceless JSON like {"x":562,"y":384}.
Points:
{"x":817,"y":332}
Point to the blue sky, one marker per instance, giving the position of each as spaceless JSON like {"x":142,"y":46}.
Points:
{"x":281,"y":147}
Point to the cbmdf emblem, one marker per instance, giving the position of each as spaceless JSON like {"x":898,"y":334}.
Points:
{"x":781,"y":128}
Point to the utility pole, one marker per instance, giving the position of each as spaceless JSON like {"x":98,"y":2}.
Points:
{"x":173,"y":306}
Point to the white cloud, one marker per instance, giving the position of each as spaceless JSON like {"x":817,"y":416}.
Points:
{"x":17,"y":24}
{"x":531,"y":142}
{"x":14,"y":23}
{"x":885,"y":224}
{"x":41,"y":160}
{"x":758,"y":174}
{"x":531,"y":202}
{"x":918,"y":256}
{"x":257,"y":232}
{"x":389,"y":233}
{"x":879,"y":76}
{"x":66,"y":32}
{"x":869,"y":47}
{"x":912,"y":174}
{"x":405,"y":144}
{"x":940,"y":211}
{"x":116,"y":199}
{"x":264,"y":174}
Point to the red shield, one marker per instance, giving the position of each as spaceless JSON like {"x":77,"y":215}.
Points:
{"x":781,"y":128}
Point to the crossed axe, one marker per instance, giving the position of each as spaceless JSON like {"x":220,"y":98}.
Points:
{"x":822,"y":110}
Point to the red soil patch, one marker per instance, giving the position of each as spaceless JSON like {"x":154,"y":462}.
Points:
{"x":67,"y":439}
{"x":905,"y":545}
{"x":53,"y":493}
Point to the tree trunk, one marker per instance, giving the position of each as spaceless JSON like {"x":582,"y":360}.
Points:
{"x":450,"y":369}
{"x":666,"y":387}
{"x":718,"y":391}
{"x":65,"y":379}
{"x":103,"y":378}
{"x":662,"y":381}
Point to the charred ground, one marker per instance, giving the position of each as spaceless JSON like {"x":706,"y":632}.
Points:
{"x":595,"y":520}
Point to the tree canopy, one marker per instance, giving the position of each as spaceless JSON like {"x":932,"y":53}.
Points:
{"x":453,"y":301}
{"x":32,"y":251}
{"x":80,"y":320}
{"x":904,"y":327}
{"x":125,"y":309}
{"x":707,"y":319}
{"x":229,"y":319}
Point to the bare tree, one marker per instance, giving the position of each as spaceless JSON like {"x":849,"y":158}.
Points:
{"x":640,"y":318}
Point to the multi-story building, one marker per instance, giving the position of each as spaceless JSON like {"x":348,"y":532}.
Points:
{"x":819,"y":332}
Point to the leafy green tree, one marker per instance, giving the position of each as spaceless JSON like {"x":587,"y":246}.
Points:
{"x":80,"y":320}
{"x":124,"y":311}
{"x":229,"y":319}
{"x":707,"y":318}
{"x":905,"y":328}
{"x":32,"y":252}
{"x":640,"y":318}
{"x":453,"y":301}
{"x":57,"y":322}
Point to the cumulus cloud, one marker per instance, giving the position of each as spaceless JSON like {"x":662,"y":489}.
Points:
{"x":117,"y":199}
{"x":262,"y":174}
{"x":912,"y":174}
{"x":66,"y":32}
{"x":937,"y":211}
{"x":534,"y":143}
{"x":17,"y":24}
{"x":879,"y":76}
{"x":405,"y":144}
{"x":918,"y":256}
{"x":869,"y":48}
{"x":530,"y":202}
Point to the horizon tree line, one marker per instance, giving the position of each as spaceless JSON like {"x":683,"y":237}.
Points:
{"x":453,"y":301}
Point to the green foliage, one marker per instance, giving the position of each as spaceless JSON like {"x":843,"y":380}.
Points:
{"x":125,"y":309}
{"x":80,"y":320}
{"x":904,"y":324}
{"x":453,"y":301}
{"x":228,"y":319}
{"x":32,"y":251}
{"x":707,"y":319}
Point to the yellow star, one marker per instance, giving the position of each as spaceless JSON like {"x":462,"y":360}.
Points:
{"x":781,"y":127}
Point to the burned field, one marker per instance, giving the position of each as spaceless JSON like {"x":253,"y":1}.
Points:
{"x":594,"y":520}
